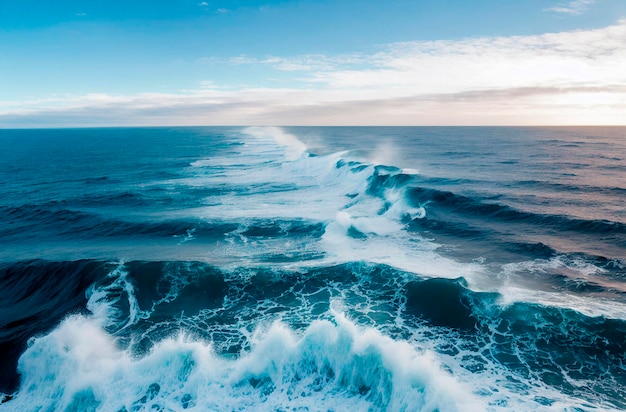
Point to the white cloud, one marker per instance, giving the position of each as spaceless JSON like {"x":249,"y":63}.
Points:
{"x":203,"y":4}
{"x":574,"y":77}
{"x":557,"y":59}
{"x":571,"y":7}
{"x":548,"y":105}
{"x":448,"y":66}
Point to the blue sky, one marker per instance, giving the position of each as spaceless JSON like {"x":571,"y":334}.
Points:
{"x":98,"y":62}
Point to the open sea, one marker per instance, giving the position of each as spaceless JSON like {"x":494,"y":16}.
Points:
{"x":313,"y":269}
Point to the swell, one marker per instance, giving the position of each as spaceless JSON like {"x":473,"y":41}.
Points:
{"x":30,"y":219}
{"x":488,"y":228}
{"x":435,"y":200}
{"x":568,"y":188}
{"x":76,"y":224}
{"x":469,"y":207}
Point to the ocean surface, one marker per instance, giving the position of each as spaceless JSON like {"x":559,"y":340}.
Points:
{"x":313,"y":269}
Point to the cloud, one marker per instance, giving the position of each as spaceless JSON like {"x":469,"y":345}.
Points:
{"x":203,"y":4}
{"x":574,"y":77}
{"x":524,"y":105}
{"x":491,"y":63}
{"x":560,"y":59}
{"x":572,"y":7}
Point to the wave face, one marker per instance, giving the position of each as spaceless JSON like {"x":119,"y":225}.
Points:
{"x":313,"y":269}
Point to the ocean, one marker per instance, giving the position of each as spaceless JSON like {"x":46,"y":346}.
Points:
{"x":313,"y":269}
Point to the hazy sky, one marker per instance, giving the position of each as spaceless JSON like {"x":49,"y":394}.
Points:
{"x":312,"y":62}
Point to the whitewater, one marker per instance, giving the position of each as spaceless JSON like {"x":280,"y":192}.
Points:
{"x":313,"y":269}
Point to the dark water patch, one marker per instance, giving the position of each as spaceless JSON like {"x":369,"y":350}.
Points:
{"x":457,"y":153}
{"x":435,"y":200}
{"x":617,"y":267}
{"x":477,"y":240}
{"x":577,"y":285}
{"x":33,"y":220}
{"x":385,"y":178}
{"x":611,"y":157}
{"x":99,"y":180}
{"x":34,"y":296}
{"x":447,"y":227}
{"x":108,"y":199}
{"x":569,"y":187}
{"x":535,"y":250}
{"x":441,"y":302}
{"x":445,"y":181}
{"x":51,"y":218}
{"x":208,"y":288}
{"x":50,"y":211}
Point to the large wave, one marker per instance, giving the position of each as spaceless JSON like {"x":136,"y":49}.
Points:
{"x":266,"y":276}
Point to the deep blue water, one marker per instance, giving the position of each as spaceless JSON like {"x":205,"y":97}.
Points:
{"x":443,"y":268}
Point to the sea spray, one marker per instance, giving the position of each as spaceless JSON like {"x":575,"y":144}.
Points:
{"x":330,"y":365}
{"x":251,"y":261}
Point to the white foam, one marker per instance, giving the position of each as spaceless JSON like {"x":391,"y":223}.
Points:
{"x":587,"y":305}
{"x":410,"y":171}
{"x":577,"y":267}
{"x":331,"y":190}
{"x":331,"y":365}
{"x":522,"y":284}
{"x":102,"y":301}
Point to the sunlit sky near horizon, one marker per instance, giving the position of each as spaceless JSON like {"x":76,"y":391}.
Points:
{"x":312,"y":62}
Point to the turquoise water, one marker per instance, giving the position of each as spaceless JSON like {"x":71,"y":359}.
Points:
{"x":313,"y":269}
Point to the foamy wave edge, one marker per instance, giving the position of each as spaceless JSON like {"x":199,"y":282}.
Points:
{"x":332,"y":365}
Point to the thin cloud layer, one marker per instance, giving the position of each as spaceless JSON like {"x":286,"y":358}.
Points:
{"x":573,"y":77}
{"x":571,"y":7}
{"x":564,"y":59}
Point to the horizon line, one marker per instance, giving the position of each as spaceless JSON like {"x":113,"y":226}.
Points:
{"x":307,"y":126}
